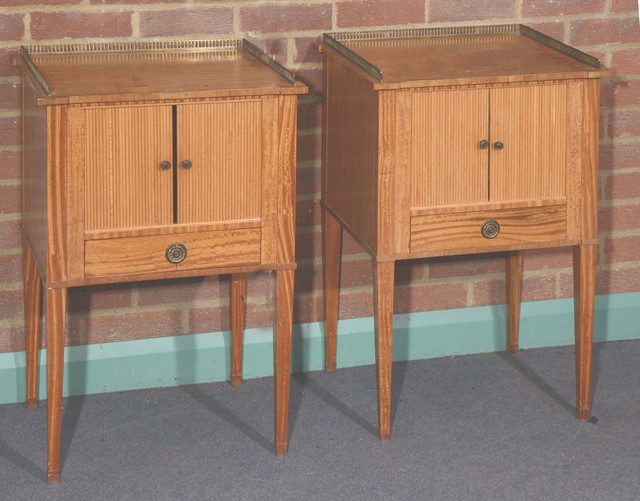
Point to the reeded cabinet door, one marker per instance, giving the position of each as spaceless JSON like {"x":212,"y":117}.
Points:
{"x":125,"y":184}
{"x":531,"y":123}
{"x":449,"y":165}
{"x":219,"y":154}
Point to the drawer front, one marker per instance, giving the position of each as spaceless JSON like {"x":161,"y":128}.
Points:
{"x":488,"y":228}
{"x":157,"y":253}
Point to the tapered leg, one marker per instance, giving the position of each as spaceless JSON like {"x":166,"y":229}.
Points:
{"x":331,"y":260}
{"x":383,"y":276}
{"x":282,"y":356}
{"x":56,"y":301}
{"x":514,"y":297}
{"x":32,"y":306}
{"x":238,"y":288}
{"x":584,"y":283}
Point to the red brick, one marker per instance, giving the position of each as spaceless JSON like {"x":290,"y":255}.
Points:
{"x":6,"y":68}
{"x":408,"y":271}
{"x":10,"y":96}
{"x":470,"y":10}
{"x":620,"y":93}
{"x":10,"y":164}
{"x":618,"y":218}
{"x":100,"y":297}
{"x":548,"y":259}
{"x":623,"y":185}
{"x":554,"y":30}
{"x":356,"y":305}
{"x":10,"y":131}
{"x":30,"y":3}
{"x":307,"y":309}
{"x":430,"y":298}
{"x":11,"y":338}
{"x":624,"y":5}
{"x":10,"y":197}
{"x":465,"y":266}
{"x":184,"y":22}
{"x":11,"y":27}
{"x":308,"y":181}
{"x":277,"y":48}
{"x":310,"y":115}
{"x":53,"y":25}
{"x":380,"y":13}
{"x":309,"y":147}
{"x":494,"y":291}
{"x":621,"y":249}
{"x":208,"y":320}
{"x":107,"y":2}
{"x":183,"y":290}
{"x":350,"y":245}
{"x":11,"y":266}
{"x":10,"y":304}
{"x":285,"y":17}
{"x":561,"y":8}
{"x":108,"y":328}
{"x":10,"y":235}
{"x":308,"y":245}
{"x":307,"y":213}
{"x":624,"y":123}
{"x":355,"y":274}
{"x":312,"y":78}
{"x":617,"y":281}
{"x":619,"y":156}
{"x":603,"y":31}
{"x":626,"y":61}
{"x":306,"y":51}
{"x":308,"y":278}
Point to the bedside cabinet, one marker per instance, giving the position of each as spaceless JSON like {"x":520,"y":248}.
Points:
{"x":453,"y":141}
{"x":155,"y":160}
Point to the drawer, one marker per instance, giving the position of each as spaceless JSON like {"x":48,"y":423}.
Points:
{"x":488,"y":228}
{"x":149,"y":254}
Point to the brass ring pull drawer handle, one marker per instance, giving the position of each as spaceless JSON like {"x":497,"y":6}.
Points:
{"x":490,"y":228}
{"x":176,"y":253}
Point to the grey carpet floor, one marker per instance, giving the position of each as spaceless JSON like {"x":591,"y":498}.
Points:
{"x":481,"y":427}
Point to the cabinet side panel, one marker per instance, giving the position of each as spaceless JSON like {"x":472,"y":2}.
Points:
{"x":125,"y":186}
{"x":531,"y":122}
{"x":270,"y":168}
{"x":351,"y":144}
{"x":287,"y":179}
{"x":57,"y":176}
{"x":449,"y":167}
{"x":590,"y":138}
{"x":574,"y":159}
{"x":223,"y":142}
{"x":34,"y":178}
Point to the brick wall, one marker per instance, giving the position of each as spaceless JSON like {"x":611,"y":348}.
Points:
{"x":607,"y":29}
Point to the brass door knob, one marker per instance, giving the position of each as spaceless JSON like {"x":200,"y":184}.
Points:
{"x":498,"y":145}
{"x":165,"y":165}
{"x":484,"y":144}
{"x":176,"y":253}
{"x":490,"y":228}
{"x":186,"y":164}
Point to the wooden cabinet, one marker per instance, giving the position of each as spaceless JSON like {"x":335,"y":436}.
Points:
{"x":460,"y":140}
{"x":155,"y":161}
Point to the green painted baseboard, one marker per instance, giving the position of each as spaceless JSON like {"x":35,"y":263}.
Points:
{"x":200,"y":358}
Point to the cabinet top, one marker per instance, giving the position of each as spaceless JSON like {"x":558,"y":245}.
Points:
{"x":460,"y":55}
{"x":136,"y":71}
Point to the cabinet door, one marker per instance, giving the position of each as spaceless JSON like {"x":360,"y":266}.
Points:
{"x":125,"y":185}
{"x":222,"y":142}
{"x":531,"y":123}
{"x":449,"y":166}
